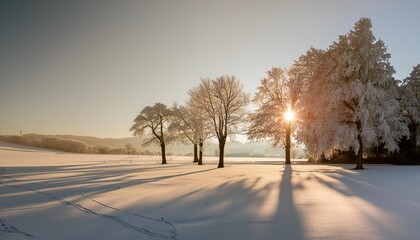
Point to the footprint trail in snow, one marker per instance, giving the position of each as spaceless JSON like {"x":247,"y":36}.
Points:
{"x":159,"y":233}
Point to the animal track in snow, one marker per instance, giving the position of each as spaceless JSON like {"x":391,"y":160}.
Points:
{"x":5,"y":228}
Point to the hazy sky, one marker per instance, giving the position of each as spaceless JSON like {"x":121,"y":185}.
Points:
{"x":89,"y":67}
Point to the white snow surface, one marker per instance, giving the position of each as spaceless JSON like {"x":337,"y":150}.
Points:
{"x":55,"y":195}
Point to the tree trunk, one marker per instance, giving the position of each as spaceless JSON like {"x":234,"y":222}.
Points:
{"x":359,"y":157}
{"x":287,"y":150}
{"x":195,"y":153}
{"x":200,"y":157}
{"x":222,"y":142}
{"x":162,"y":147}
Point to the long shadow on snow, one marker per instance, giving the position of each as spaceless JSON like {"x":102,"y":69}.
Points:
{"x":233,"y":210}
{"x":287,"y":219}
{"x":84,"y":182}
{"x":89,"y":180}
{"x":394,"y":194}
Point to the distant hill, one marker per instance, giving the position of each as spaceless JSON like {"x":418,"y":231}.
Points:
{"x":232,"y":149}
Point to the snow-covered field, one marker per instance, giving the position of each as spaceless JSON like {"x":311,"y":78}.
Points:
{"x":54,"y":195}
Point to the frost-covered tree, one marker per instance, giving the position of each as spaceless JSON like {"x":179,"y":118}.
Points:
{"x":351,"y":99}
{"x":223,"y":103}
{"x":410,"y":103}
{"x":273,"y":99}
{"x":189,"y":125}
{"x":152,"y":123}
{"x":183,"y":127}
{"x":301,"y":73}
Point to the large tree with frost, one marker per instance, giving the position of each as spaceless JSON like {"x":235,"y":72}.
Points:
{"x":223,"y":103}
{"x":351,"y":99}
{"x":410,"y":104}
{"x":152,"y":123}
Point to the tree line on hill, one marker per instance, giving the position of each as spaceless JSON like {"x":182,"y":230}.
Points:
{"x":345,"y":99}
{"x":71,"y":145}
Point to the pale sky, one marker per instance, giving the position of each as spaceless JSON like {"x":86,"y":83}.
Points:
{"x":89,"y":67}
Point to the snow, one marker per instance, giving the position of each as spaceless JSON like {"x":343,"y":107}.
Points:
{"x":55,"y":195}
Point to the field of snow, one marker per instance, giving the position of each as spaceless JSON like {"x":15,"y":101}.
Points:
{"x":54,"y":195}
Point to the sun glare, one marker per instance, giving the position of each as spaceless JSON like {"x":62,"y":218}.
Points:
{"x":289,"y":115}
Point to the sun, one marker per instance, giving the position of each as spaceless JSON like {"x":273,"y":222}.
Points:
{"x":289,"y":115}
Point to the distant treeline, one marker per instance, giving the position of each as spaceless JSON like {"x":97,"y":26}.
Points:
{"x":133,"y":145}
{"x":71,"y":145}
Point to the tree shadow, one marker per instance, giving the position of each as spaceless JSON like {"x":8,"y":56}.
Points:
{"x":287,"y":220}
{"x":386,"y":201}
{"x":235,"y":209}
{"x":231,"y":208}
{"x":90,"y":179}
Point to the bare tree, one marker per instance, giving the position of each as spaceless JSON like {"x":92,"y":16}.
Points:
{"x":152,"y":123}
{"x":224,"y":103}
{"x":273,"y":98}
{"x":189,"y":126}
{"x":183,"y":127}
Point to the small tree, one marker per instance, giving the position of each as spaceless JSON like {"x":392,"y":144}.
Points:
{"x":183,"y":126}
{"x":223,"y":102}
{"x":152,"y":123}
{"x":189,"y":125}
